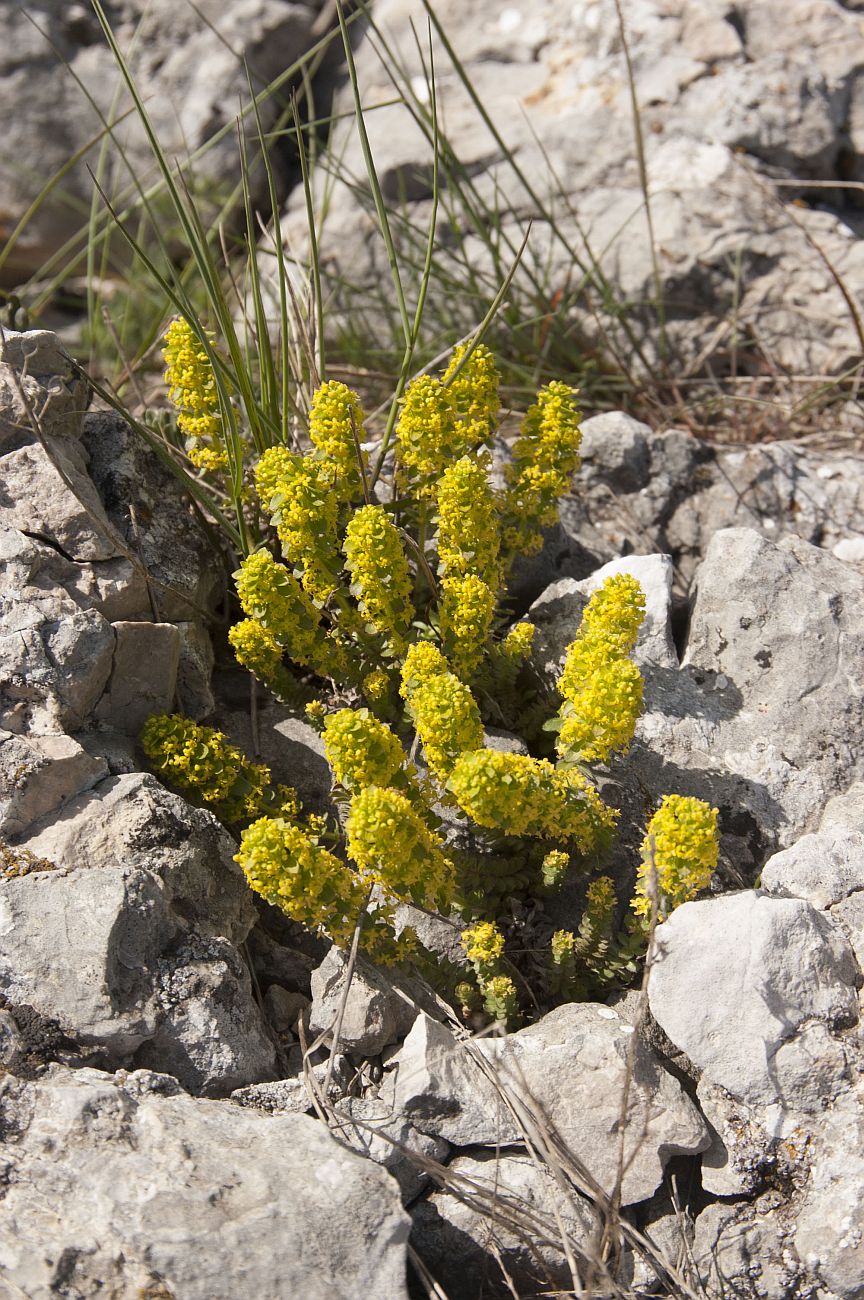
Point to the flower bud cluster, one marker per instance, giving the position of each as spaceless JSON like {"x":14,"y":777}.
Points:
{"x":679,"y":854}
{"x":527,"y":796}
{"x":361,"y":750}
{"x":441,"y":707}
{"x":468,"y":529}
{"x":193,"y":391}
{"x":380,"y":580}
{"x":601,"y":686}
{"x":474,"y":392}
{"x":273,"y":597}
{"x":545,"y":456}
{"x":394,"y":848}
{"x":287,"y":867}
{"x":202,"y":763}
{"x":337,"y":430}
{"x":466,"y":614}
{"x":298,"y":493}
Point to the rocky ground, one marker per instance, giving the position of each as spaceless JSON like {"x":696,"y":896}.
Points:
{"x":162,"y":1135}
{"x":159,"y":1128}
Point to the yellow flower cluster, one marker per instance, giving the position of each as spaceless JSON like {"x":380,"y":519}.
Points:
{"x":517,"y":644}
{"x":545,"y":457}
{"x":361,"y":750}
{"x":500,"y":1000}
{"x":430,"y":435}
{"x":442,"y":708}
{"x":466,"y":613}
{"x":273,"y":597}
{"x":554,"y":868}
{"x":256,"y":650}
{"x":679,"y":854}
{"x":602,"y":688}
{"x":468,"y":529}
{"x":202,"y":763}
{"x":298,"y":493}
{"x":376,"y":686}
{"x":483,"y":944}
{"x":284,"y":864}
{"x":336,"y":428}
{"x":609,"y":628}
{"x":528,"y":796}
{"x":380,"y":580}
{"x":604,"y":714}
{"x":192,"y":389}
{"x":394,"y":848}
{"x":474,"y":392}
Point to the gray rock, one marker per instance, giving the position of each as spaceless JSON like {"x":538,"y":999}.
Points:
{"x":716,"y":104}
{"x":134,"y":821}
{"x":143,"y":675}
{"x":189,"y":66}
{"x":376,"y":1011}
{"x":371,"y":1127}
{"x":291,"y":748}
{"x":778,"y":963}
{"x":744,"y":1249}
{"x":471,"y":1245}
{"x":38,"y":775}
{"x":284,"y":1009}
{"x":774,"y":645}
{"x":568,"y":1070}
{"x":117,"y":1184}
{"x":130,"y":946}
{"x":823,"y":868}
{"x":195,"y":672}
{"x":828,"y":1233}
{"x":37,"y":378}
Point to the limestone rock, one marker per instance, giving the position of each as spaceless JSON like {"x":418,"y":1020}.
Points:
{"x":462,"y":1243}
{"x":122,"y":1184}
{"x":372,"y":1128}
{"x":38,"y":775}
{"x":828,"y":1234}
{"x":376,"y":1013}
{"x":780,"y":964}
{"x":569,"y":1067}
{"x":824,"y":868}
{"x":130,"y":946}
{"x":745,"y":1247}
{"x":763,"y":719}
{"x":143,"y":675}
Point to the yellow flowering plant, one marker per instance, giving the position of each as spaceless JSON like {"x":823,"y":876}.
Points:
{"x":375,"y":580}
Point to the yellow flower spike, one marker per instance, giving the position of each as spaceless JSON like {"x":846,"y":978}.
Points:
{"x":430,"y":434}
{"x":202,"y":763}
{"x":361,"y":750}
{"x":335,"y":415}
{"x":500,"y":999}
{"x":609,"y":628}
{"x":395,"y":849}
{"x":467,"y":610}
{"x":563,"y":944}
{"x":256,"y":649}
{"x":604,"y":714}
{"x":468,"y":528}
{"x":380,"y":579}
{"x":483,"y":944}
{"x":423,"y":661}
{"x":193,"y":392}
{"x":528,"y":796}
{"x":545,"y":456}
{"x":376,"y":686}
{"x":273,"y":597}
{"x":474,"y":392}
{"x":680,"y":850}
{"x":273,"y":465}
{"x":447,"y":719}
{"x":305,"y":511}
{"x":518,"y":642}
{"x":554,"y":868}
{"x":284,"y":864}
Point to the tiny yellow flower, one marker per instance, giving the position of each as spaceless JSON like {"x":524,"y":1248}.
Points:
{"x":679,"y":852}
